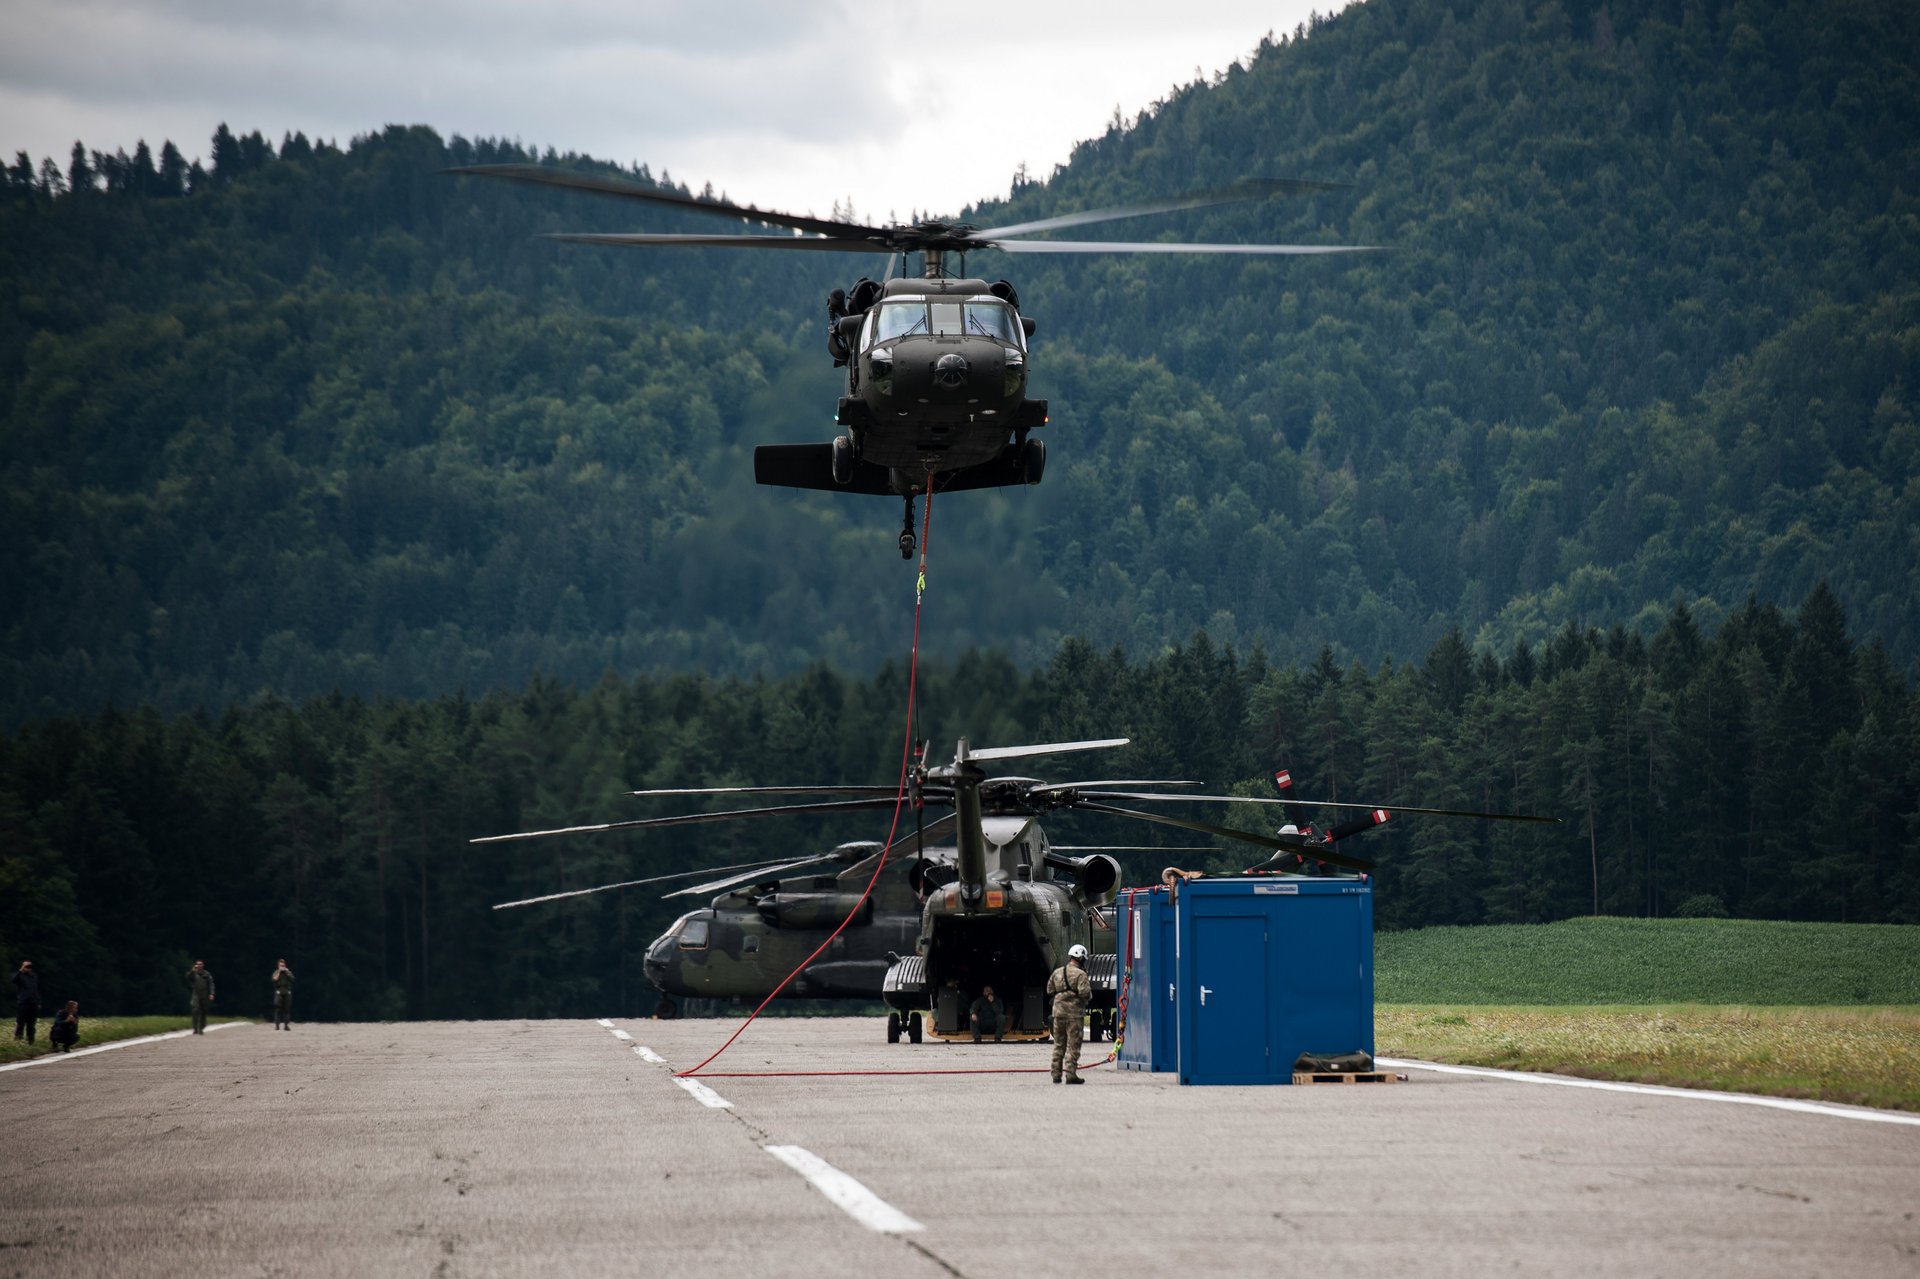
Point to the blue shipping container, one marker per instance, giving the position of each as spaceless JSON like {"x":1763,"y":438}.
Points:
{"x":1266,"y":969}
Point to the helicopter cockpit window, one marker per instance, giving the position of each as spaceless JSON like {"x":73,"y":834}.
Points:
{"x":946,"y":319}
{"x":993,"y":320}
{"x":693,"y":935}
{"x":899,"y":319}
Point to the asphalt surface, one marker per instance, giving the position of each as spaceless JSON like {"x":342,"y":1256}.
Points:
{"x":486,"y":1148}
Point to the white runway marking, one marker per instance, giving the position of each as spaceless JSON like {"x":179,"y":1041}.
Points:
{"x":647,"y":1054}
{"x":705,"y":1095}
{"x":852,"y":1198}
{"x":1655,"y":1090}
{"x":605,"y":1021}
{"x":621,"y":1034}
{"x":118,"y":1043}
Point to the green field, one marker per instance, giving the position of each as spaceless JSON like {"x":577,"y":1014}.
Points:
{"x":1823,"y":1011}
{"x":1864,"y":1056}
{"x":1651,"y":961}
{"x":95,"y":1031}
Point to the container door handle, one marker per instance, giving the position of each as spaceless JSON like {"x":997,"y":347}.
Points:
{"x":1204,"y":992}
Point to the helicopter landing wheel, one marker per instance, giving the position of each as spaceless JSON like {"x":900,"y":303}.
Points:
{"x":666,"y":1009}
{"x":843,"y":460}
{"x":893,"y":1028}
{"x":908,"y":544}
{"x":913,"y":1027}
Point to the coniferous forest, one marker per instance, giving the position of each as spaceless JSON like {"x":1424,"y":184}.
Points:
{"x":345,"y":518}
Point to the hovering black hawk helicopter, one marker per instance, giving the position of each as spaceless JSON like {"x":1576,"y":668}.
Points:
{"x":936,"y":364}
{"x":1000,"y":906}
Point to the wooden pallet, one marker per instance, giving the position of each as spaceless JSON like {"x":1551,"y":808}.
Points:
{"x":1348,"y":1077}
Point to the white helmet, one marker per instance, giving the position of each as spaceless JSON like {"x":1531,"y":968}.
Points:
{"x":1077,"y":951}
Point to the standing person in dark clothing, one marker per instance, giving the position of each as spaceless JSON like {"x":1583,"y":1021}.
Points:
{"x":988,"y":1015}
{"x":26,"y":1001}
{"x":283,"y":997}
{"x":200,"y":986}
{"x":66,"y":1027}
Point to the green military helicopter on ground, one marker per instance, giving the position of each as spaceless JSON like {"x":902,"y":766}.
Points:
{"x":936,"y":395}
{"x":1000,"y":905}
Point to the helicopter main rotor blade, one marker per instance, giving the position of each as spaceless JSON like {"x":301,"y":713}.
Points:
{"x":1162,"y":246}
{"x":1309,"y":803}
{"x":1053,"y":787}
{"x":635,"y":883}
{"x":1227,"y":832}
{"x":690,"y":819}
{"x":1430,"y":812}
{"x":641,"y":239}
{"x":600,"y":184}
{"x":771,"y":790}
{"x":1047,"y":748}
{"x":1191,"y":799}
{"x":1130,"y":848}
{"x":1253,"y":189}
{"x":762,"y":872}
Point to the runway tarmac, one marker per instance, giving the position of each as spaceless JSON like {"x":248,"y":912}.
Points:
{"x":506,"y":1148}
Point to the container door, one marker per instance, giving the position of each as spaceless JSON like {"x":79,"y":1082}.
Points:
{"x":1227,"y":1000}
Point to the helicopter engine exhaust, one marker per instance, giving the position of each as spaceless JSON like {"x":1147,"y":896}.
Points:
{"x":1095,"y":877}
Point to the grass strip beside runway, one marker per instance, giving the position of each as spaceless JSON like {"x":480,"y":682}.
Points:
{"x":1862,"y":1056}
{"x":95,"y":1031}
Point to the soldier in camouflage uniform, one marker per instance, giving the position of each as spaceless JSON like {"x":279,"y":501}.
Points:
{"x":1072,"y":991}
{"x":283,"y":997}
{"x":200,"y":984}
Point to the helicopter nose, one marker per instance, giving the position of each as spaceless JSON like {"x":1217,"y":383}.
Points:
{"x":655,"y":963}
{"x":950,"y":372}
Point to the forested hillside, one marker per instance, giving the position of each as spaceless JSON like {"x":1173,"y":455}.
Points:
{"x":1647,"y":331}
{"x":1769,"y":770}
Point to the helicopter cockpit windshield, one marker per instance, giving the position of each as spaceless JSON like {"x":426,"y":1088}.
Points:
{"x":986,"y":317}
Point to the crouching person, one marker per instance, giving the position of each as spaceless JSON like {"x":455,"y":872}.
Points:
{"x":66,"y":1027}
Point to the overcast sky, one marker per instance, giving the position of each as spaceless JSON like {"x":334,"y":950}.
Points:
{"x":786,"y":104}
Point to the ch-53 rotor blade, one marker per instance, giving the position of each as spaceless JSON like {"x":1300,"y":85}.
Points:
{"x":903,"y":846}
{"x":691,"y":819}
{"x":635,"y":883}
{"x":601,"y":184}
{"x":1252,"y":189}
{"x":1227,"y":832}
{"x":1430,"y":812}
{"x":641,"y":239}
{"x":1313,"y":803}
{"x":758,"y":873}
{"x":1054,"y":787}
{"x":1130,"y":848}
{"x":771,"y":790}
{"x":1164,"y":246}
{"x":1046,"y":748}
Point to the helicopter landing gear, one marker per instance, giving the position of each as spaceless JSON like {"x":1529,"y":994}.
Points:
{"x":913,"y":1027}
{"x":893,"y":1028}
{"x":843,"y":459}
{"x":666,"y":1009}
{"x":908,"y":544}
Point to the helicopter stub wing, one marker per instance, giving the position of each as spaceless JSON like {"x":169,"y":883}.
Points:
{"x":810,"y":466}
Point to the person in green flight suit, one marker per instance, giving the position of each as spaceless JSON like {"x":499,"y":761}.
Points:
{"x":988,"y":1015}
{"x":283,"y":997}
{"x":1072,"y":991}
{"x":200,"y":986}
